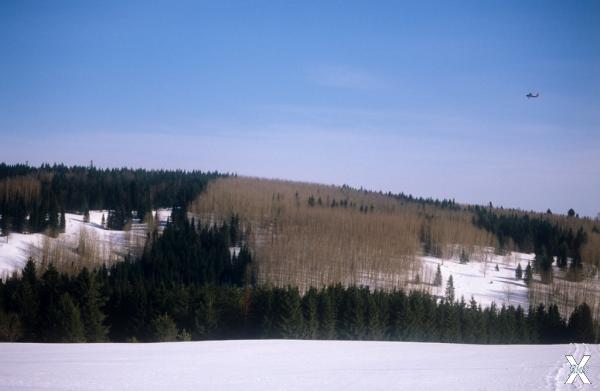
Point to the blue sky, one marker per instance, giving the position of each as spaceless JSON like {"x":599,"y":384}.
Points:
{"x":424,"y":97}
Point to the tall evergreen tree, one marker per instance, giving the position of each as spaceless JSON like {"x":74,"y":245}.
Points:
{"x":28,"y":301}
{"x":449,"y":295}
{"x":437,"y":281}
{"x":528,"y":274}
{"x":581,"y":325}
{"x":288,"y":313}
{"x":326,"y":313}
{"x":563,"y":250}
{"x":49,"y":318}
{"x":374,"y":317}
{"x":310,"y":313}
{"x":204,"y":314}
{"x":90,"y":303}
{"x":63,"y":221}
{"x":70,"y":327}
{"x":352,"y":317}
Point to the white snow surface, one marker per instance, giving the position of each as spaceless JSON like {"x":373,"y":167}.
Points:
{"x":292,"y":365}
{"x":16,"y":248}
{"x":481,"y":280}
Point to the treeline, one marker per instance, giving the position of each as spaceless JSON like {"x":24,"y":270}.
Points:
{"x":96,"y":307}
{"x":34,"y":199}
{"x":441,"y":203}
{"x":534,"y":234}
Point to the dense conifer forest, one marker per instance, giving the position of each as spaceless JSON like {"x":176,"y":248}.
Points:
{"x":534,"y":234}
{"x":35,"y":199}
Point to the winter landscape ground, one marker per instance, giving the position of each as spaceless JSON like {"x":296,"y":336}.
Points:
{"x":291,"y":365}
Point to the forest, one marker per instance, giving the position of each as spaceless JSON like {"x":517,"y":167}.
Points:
{"x":35,"y":199}
{"x":250,"y":258}
{"x":306,"y":234}
{"x":534,"y":234}
{"x":189,"y":286}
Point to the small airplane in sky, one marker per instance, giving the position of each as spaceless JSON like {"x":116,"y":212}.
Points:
{"x":533,"y":95}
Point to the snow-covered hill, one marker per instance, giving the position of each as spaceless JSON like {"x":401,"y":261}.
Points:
{"x":291,"y":365}
{"x":16,"y":248}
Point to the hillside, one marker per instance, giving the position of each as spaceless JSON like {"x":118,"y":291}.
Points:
{"x":255,"y":258}
{"x":83,"y":244}
{"x":307,"y":234}
{"x":310,"y":234}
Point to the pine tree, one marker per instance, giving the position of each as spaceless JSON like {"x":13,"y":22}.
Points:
{"x":70,"y":326}
{"x":288,"y":313}
{"x":450,"y":290}
{"x":327,"y":327}
{"x":261,"y":317}
{"x":581,"y":325}
{"x":561,"y":259}
{"x":437,"y":281}
{"x":554,"y":328}
{"x":63,"y":221}
{"x":90,"y":303}
{"x":543,"y":260}
{"x":519,"y":272}
{"x":528,"y":274}
{"x":352,"y":317}
{"x":310,"y":313}
{"x":53,"y":221}
{"x":464,"y":258}
{"x":18,"y":216}
{"x":449,"y":321}
{"x":163,"y":329}
{"x":49,"y":322}
{"x":204,"y":314}
{"x":28,"y":301}
{"x":374,"y":315}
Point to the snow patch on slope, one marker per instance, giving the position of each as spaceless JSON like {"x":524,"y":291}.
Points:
{"x":480,"y":279}
{"x":16,"y":248}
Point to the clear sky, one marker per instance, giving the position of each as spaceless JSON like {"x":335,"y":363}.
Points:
{"x":426,"y":98}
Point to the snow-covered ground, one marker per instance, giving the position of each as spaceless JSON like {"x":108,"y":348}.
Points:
{"x":292,"y":365}
{"x":16,"y":248}
{"x":480,"y":279}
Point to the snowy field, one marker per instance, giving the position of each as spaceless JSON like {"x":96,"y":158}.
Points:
{"x":292,"y":365}
{"x":16,"y":248}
